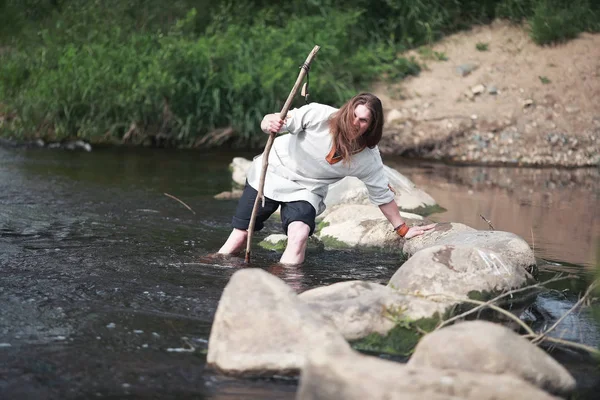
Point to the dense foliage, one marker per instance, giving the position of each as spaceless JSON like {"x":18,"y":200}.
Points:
{"x":117,"y":70}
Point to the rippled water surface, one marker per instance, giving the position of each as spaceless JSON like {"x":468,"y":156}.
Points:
{"x":106,"y":285}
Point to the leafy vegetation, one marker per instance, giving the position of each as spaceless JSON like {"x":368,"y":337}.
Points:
{"x":480,"y":46}
{"x":400,"y":340}
{"x":427,"y":53}
{"x":130,"y":70}
{"x":545,"y":80}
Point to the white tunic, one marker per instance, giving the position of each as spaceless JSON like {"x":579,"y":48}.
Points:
{"x":298,"y":169}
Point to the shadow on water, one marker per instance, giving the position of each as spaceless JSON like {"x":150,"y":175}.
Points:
{"x":107,"y":285}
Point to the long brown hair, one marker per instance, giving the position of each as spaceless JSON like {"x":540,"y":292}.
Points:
{"x":343,"y":130}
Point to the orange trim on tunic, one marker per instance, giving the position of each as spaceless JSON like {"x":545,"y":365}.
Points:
{"x":334,"y":158}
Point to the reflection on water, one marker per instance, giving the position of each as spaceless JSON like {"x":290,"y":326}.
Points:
{"x":102,"y":274}
{"x":556,"y":211}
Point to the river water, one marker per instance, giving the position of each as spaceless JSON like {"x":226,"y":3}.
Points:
{"x":105,"y":284}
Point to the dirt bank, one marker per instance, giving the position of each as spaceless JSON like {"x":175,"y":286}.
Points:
{"x":510,"y":101}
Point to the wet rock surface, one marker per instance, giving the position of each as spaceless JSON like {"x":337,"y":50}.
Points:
{"x":479,"y":346}
{"x":347,"y":226}
{"x":256,"y":305}
{"x":457,"y":271}
{"x":359,"y":308}
{"x":354,"y":376}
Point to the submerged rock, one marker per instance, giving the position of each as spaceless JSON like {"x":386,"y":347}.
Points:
{"x":77,"y":145}
{"x":275,"y":242}
{"x":239,"y":167}
{"x":278,"y":242}
{"x":233,"y":195}
{"x":262,"y":328}
{"x":479,"y":346}
{"x":352,"y":376}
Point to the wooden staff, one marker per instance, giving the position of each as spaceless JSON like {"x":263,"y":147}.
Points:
{"x":265,"y":156}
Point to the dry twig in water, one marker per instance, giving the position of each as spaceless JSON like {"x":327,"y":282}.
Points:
{"x":495,"y":299}
{"x":185,"y":205}
{"x":567,"y":343}
{"x":544,"y":335}
{"x":488,"y":222}
{"x":536,"y":338}
{"x":489,"y":305}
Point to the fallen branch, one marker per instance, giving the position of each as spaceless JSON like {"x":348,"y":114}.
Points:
{"x":215,"y":138}
{"x":185,"y":205}
{"x":265,"y":156}
{"x":536,"y":338}
{"x":489,"y":305}
{"x":544,"y":335}
{"x":581,"y":346}
{"x":488,"y":222}
{"x":495,"y":299}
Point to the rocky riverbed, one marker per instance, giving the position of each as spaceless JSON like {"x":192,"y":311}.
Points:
{"x":513,"y":103}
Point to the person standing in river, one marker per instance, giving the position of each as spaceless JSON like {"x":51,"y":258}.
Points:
{"x":325,"y":145}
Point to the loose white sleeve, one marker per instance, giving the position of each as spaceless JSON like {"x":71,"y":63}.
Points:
{"x":312,"y":115}
{"x":375,"y":179}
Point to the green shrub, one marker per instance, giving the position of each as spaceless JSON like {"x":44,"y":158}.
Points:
{"x":515,"y":10}
{"x":183,"y":87}
{"x":545,"y":80}
{"x":482,"y":46}
{"x":129,"y":69}
{"x":556,"y":21}
{"x":551,"y":24}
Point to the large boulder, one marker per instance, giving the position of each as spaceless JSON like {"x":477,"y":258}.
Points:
{"x":458,"y":271}
{"x":480,"y":346}
{"x":353,"y":376}
{"x":262,"y":328}
{"x":351,"y":190}
{"x":360,"y":212}
{"x":358,"y":308}
{"x":362,"y":226}
{"x":440,"y":232}
{"x":239,"y":167}
{"x":507,"y":245}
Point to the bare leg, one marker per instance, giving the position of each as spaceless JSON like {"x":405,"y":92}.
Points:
{"x":296,"y":247}
{"x":235,"y":242}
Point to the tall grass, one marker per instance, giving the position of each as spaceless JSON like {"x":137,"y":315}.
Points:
{"x":555,"y":21}
{"x":183,"y":86}
{"x":117,"y":70}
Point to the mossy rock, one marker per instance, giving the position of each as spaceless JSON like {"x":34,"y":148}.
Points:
{"x":322,"y":224}
{"x":401,"y":340}
{"x":236,"y":186}
{"x":279,"y":242}
{"x":274,"y":242}
{"x":480,"y":295}
{"x":332,"y":243}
